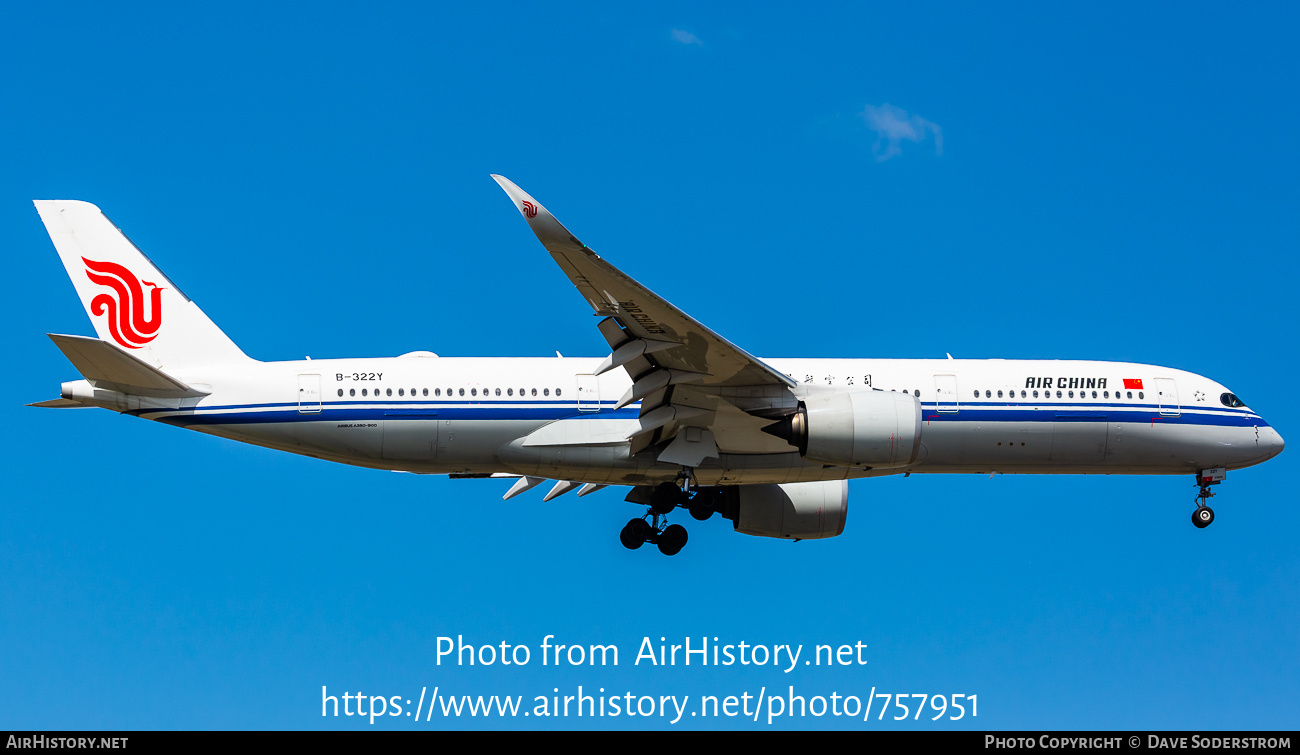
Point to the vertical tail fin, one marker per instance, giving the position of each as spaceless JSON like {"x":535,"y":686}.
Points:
{"x":130,"y":301}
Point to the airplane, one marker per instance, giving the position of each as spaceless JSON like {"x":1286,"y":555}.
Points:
{"x":676,"y":413}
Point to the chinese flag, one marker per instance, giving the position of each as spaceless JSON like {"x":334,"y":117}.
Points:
{"x":1133,"y":385}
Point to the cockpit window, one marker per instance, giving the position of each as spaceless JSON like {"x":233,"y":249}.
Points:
{"x":1230,"y":399}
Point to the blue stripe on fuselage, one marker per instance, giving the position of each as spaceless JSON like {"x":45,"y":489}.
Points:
{"x":1099,"y":414}
{"x":356,"y":413}
{"x":342,"y":411}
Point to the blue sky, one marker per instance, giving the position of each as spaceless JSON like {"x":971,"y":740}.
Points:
{"x":1021,"y":181}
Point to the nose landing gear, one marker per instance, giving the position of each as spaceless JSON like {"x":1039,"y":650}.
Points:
{"x":1203,"y":516}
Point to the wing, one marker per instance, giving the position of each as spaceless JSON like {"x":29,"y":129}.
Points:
{"x":684,"y":374}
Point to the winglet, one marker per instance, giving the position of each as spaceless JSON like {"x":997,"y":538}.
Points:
{"x":549,"y":230}
{"x":640,"y":313}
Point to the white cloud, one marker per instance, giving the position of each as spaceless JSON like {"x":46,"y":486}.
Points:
{"x":686,"y":38}
{"x":893,"y":126}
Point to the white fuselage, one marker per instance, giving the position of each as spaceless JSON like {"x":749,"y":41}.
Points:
{"x":549,"y":417}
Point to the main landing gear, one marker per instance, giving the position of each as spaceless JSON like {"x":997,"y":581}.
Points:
{"x":670,"y":538}
{"x":665,"y":498}
{"x":1203,"y":516}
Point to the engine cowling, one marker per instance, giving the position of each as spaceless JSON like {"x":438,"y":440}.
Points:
{"x":876,"y":429}
{"x":794,"y":510}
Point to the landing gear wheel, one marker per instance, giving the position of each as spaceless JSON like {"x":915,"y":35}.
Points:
{"x":701,"y":509}
{"x":665,"y":497}
{"x":672,"y":540}
{"x":1203,"y":516}
{"x":634,"y":534}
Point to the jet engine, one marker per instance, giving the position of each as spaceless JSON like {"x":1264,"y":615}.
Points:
{"x":794,"y":510}
{"x":875,"y":429}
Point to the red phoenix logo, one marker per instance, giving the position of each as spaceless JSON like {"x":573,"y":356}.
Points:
{"x":125,"y":306}
{"x":530,"y":209}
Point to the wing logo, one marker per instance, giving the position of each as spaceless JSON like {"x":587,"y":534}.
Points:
{"x":125,"y":305}
{"x":530,"y":209}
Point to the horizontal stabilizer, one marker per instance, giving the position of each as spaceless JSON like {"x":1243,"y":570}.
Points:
{"x":61,"y":403}
{"x":110,"y":368}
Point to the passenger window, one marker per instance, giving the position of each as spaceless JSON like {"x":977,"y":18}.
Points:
{"x":363,"y":391}
{"x":1141,"y":394}
{"x":1105,"y":394}
{"x":1022,"y":394}
{"x":390,"y":391}
{"x":340,"y":393}
{"x":918,"y":393}
{"x":401,"y":392}
{"x":473,"y":391}
{"x":557,"y":391}
{"x":988,"y":394}
{"x":510,"y":391}
{"x":977,"y":394}
{"x":999,"y":394}
{"x":437,"y":391}
{"x":1094,"y":394}
{"x":534,"y":391}
{"x":1035,"y":394}
{"x":546,"y":391}
{"x":426,"y":391}
{"x":352,"y":391}
{"x":498,"y":391}
{"x":462,"y":391}
{"x":1058,"y":394}
{"x":1071,"y":394}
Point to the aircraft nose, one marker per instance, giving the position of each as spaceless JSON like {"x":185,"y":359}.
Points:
{"x":1275,"y":442}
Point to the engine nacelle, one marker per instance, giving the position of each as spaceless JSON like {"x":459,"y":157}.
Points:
{"x":876,"y":429}
{"x":793,"y":510}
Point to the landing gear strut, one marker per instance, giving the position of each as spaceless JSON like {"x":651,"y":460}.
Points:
{"x":1203,"y":516}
